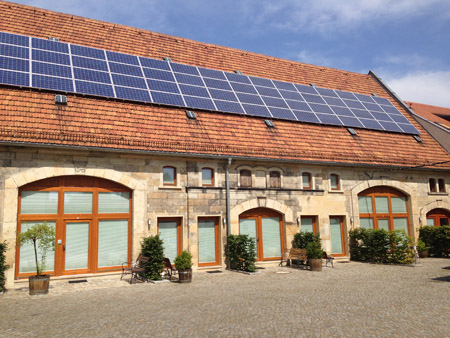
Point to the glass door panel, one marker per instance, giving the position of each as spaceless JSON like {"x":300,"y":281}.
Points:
{"x":336,"y":236}
{"x":27,"y":258}
{"x":271,"y":237}
{"x":248,"y":227}
{"x":112,"y":242}
{"x":207,"y":241}
{"x":77,"y":246}
{"x":168,"y":232}
{"x":383,"y":224}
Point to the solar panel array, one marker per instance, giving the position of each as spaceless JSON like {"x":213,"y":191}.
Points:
{"x":39,"y":63}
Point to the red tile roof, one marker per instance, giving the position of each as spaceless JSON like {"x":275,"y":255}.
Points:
{"x":31,"y":116}
{"x":432,"y":113}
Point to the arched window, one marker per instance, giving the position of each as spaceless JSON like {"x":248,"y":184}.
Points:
{"x":169,"y":176}
{"x":306,"y":181}
{"x":438,"y":217}
{"x":383,"y":208}
{"x":275,"y":179}
{"x":92,"y":220}
{"x":245,"y":178}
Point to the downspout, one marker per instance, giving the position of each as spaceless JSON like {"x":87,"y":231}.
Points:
{"x":227,"y":185}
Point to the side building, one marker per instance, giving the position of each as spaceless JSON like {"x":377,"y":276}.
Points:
{"x":113,"y":133}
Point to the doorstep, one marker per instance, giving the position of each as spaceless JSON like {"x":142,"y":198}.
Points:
{"x":19,"y":283}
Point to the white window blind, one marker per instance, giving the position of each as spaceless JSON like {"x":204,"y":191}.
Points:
{"x":383,"y":224}
{"x":113,"y":202}
{"x":365,"y":204}
{"x":382,"y":205}
{"x":366,"y":223}
{"x":430,"y":221}
{"x":112,"y":242}
{"x":335,"y":234}
{"x":39,"y":202}
{"x":77,"y":202}
{"x":401,"y":223}
{"x":27,"y":259}
{"x":248,"y":227}
{"x":398,"y":204}
{"x":168,"y":232}
{"x":207,"y":241}
{"x":307,"y":224}
{"x":77,"y":245}
{"x":271,"y":237}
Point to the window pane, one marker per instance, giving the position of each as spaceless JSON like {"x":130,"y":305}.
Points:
{"x":441,"y":184}
{"x":275,"y":179}
{"x":334,"y":181}
{"x":39,"y":202}
{"x":271,"y":237}
{"x":430,"y":221}
{"x":207,"y":176}
{"x":366,"y":223}
{"x":443,"y":222}
{"x":207,"y":241}
{"x":246,"y":178}
{"x":112,"y":242}
{"x":27,"y":258}
{"x":398,"y":204}
{"x":401,"y":224}
{"x":113,"y":202}
{"x":383,"y":224}
{"x":168,"y":175}
{"x":260,"y":179}
{"x":248,"y":227}
{"x":168,"y":232}
{"x":382,"y":205}
{"x":306,"y":180}
{"x":365,"y":204}
{"x":432,"y":184}
{"x":307,"y":224}
{"x":77,"y":202}
{"x":77,"y":245}
{"x":336,"y":236}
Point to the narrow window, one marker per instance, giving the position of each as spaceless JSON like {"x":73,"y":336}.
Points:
{"x":169,"y":176}
{"x":334,"y":181}
{"x":246,"y":178}
{"x":441,"y":184}
{"x":275,"y":179}
{"x":432,"y":183}
{"x":306,"y":181}
{"x":207,"y":177}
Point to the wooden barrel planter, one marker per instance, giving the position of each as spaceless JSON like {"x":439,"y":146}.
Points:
{"x":315,"y":264}
{"x":39,"y":285}
{"x":423,"y":254}
{"x":185,"y":276}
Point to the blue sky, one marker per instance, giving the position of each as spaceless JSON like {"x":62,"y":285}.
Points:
{"x":405,"y":42}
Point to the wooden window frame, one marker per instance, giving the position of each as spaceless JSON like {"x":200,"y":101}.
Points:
{"x":63,"y":184}
{"x":307,"y":174}
{"x":258,"y":214}
{"x":278,"y":179}
{"x":241,"y":176}
{"x":314,"y":223}
{"x":179,"y":231}
{"x":388,"y":192}
{"x":212,"y":177}
{"x":343,"y":237}
{"x":438,"y":214}
{"x":217,"y":237}
{"x":432,"y":185}
{"x":441,"y":185}
{"x":338,"y":182}
{"x":174,"y":176}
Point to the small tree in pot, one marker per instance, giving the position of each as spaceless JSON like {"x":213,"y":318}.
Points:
{"x":183,"y":263}
{"x":422,"y":249}
{"x":314,"y":253}
{"x":42,"y":236}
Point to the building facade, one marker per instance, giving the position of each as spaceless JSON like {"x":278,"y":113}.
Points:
{"x":108,"y":172}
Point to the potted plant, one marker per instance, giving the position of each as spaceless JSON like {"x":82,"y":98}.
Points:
{"x":42,"y":236}
{"x":314,"y":253}
{"x":422,"y":249}
{"x":183,"y":263}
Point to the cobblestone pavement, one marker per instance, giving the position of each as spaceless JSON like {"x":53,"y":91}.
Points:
{"x":350,"y":300}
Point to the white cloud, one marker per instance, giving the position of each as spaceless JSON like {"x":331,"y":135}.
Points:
{"x":325,"y":16}
{"x":431,"y":87}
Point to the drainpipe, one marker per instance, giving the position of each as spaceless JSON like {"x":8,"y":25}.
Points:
{"x":227,"y":184}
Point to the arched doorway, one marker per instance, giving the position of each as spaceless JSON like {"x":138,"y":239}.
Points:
{"x":438,"y":217}
{"x":266,"y":226}
{"x":92,"y":221}
{"x":383,"y":208}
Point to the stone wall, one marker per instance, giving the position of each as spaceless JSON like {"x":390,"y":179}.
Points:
{"x":188,"y":200}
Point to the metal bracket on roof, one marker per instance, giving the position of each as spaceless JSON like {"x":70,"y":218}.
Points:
{"x":166,"y":58}
{"x":269,"y":123}
{"x":191,"y":115}
{"x":61,"y":99}
{"x":238,"y":72}
{"x":312,"y":85}
{"x":417,"y":138}
{"x":352,"y":131}
{"x":51,"y":38}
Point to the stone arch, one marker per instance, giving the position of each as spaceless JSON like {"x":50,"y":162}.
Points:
{"x":430,"y":206}
{"x":14,"y":182}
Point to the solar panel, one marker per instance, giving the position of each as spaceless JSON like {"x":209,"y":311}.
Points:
{"x":71,"y":68}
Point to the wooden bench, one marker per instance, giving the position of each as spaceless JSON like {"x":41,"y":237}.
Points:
{"x":295,"y":257}
{"x":135,"y":270}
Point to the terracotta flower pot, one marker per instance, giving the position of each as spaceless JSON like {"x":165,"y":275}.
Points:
{"x":38,"y":285}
